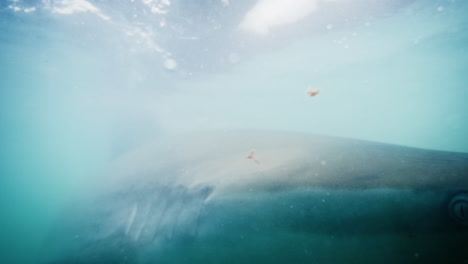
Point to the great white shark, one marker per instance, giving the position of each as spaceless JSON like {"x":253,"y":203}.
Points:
{"x":308,"y":199}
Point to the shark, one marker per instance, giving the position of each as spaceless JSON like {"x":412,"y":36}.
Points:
{"x":306,"y":199}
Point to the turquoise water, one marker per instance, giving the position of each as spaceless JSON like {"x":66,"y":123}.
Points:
{"x":83,"y":82}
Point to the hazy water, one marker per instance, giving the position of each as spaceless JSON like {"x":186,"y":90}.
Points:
{"x":82,"y":82}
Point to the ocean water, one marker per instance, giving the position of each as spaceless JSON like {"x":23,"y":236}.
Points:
{"x":85,"y":82}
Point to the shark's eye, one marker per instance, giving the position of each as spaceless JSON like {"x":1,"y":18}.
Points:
{"x":458,"y":207}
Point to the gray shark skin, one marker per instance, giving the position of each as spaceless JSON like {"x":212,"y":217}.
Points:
{"x":309,"y":199}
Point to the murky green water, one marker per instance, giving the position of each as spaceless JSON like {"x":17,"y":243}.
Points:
{"x":85,"y":82}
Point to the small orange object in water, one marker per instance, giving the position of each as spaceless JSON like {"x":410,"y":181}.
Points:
{"x":313,"y":92}
{"x":250,"y":156}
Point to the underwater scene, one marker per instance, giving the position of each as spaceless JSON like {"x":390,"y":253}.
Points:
{"x":233,"y":131}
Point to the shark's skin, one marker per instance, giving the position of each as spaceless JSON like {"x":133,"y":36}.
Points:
{"x":310,"y":199}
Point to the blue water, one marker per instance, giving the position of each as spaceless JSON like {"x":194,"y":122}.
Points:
{"x":82,"y":82}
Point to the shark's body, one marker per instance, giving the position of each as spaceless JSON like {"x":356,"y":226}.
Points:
{"x":309,"y":199}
